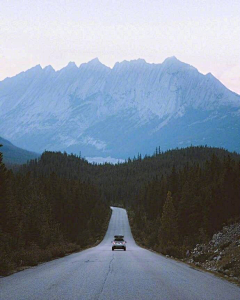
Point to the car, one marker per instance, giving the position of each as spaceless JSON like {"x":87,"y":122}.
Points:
{"x":119,"y":242}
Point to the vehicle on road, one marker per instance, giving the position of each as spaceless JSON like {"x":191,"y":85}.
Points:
{"x":119,"y":243}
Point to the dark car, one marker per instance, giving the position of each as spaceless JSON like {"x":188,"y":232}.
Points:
{"x":119,"y":243}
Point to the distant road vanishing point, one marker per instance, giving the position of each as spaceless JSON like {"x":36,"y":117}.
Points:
{"x":100,"y":273}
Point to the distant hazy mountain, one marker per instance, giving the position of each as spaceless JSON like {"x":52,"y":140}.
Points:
{"x":133,"y":107}
{"x":15,"y":155}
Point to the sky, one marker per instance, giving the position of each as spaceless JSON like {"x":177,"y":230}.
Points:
{"x":203,"y":33}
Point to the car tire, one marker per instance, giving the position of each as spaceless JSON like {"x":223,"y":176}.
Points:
{"x":124,"y":249}
{"x":112,"y":249}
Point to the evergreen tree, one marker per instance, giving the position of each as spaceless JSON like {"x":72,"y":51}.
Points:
{"x":3,"y":192}
{"x":168,"y":234}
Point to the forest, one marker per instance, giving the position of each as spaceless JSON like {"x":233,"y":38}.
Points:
{"x":174,"y":199}
{"x":46,"y":217}
{"x":185,"y":207}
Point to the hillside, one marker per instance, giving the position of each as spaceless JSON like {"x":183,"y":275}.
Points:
{"x":118,"y":112}
{"x":15,"y":155}
{"x":221,"y":254}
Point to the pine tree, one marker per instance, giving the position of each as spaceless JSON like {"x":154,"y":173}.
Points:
{"x":168,"y":234}
{"x":3,"y":190}
{"x":2,"y":173}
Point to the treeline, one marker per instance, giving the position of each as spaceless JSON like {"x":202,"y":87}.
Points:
{"x":122,"y":184}
{"x":47,"y":216}
{"x":179,"y":210}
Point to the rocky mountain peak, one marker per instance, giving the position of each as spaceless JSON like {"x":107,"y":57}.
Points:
{"x":49,"y":69}
{"x":94,"y":62}
{"x":132,"y":107}
{"x":71,"y":65}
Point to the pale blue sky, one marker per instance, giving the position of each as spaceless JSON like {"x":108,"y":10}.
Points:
{"x":205,"y":34}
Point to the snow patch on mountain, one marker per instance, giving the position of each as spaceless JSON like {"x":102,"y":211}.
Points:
{"x":98,"y":144}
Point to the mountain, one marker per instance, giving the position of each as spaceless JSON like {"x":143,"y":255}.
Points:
{"x":15,"y":155}
{"x":104,"y":112}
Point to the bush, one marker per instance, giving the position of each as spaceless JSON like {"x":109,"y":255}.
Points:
{"x":172,"y":250}
{"x":58,"y":250}
{"x":30,"y":256}
{"x":5,"y":264}
{"x":202,"y":257}
{"x":45,"y":255}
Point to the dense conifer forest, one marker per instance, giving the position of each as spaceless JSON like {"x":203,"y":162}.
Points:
{"x":174,"y":200}
{"x":46,"y":217}
{"x":185,"y":207}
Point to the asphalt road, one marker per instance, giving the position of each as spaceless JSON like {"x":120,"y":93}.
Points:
{"x":100,"y":273}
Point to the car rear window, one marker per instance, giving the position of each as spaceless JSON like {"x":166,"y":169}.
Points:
{"x":119,"y":240}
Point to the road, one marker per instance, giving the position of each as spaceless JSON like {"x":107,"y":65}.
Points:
{"x":100,"y":273}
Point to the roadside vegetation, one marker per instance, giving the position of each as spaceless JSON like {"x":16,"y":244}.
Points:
{"x":187,"y":206}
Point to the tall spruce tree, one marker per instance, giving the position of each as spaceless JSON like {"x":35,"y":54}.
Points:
{"x":3,"y":190}
{"x":168,"y":234}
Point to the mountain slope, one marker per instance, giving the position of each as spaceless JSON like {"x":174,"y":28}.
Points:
{"x":15,"y":155}
{"x":116,"y":112}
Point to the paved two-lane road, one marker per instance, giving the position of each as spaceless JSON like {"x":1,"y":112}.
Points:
{"x":100,"y":273}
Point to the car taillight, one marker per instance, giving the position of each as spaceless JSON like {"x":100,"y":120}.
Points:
{"x":113,"y":243}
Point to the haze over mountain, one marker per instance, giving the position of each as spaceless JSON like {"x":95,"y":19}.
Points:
{"x":133,"y":107}
{"x":15,"y":155}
